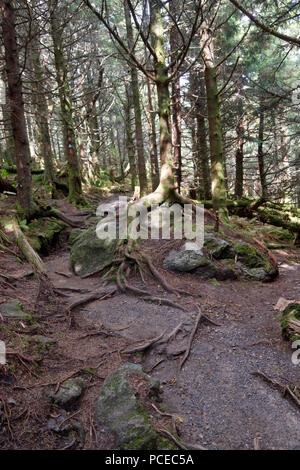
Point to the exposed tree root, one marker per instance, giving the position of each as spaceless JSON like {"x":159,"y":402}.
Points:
{"x":180,"y":444}
{"x":285,"y":389}
{"x":200,"y":318}
{"x":143,"y":346}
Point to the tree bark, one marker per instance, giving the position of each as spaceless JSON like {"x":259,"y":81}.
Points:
{"x":239,"y":159}
{"x":23,"y":158}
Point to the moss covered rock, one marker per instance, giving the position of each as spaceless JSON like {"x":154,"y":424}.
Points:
{"x":118,"y":409}
{"x":217,"y":247}
{"x":43,"y":233}
{"x":90,"y":253}
{"x":290,"y":322}
{"x":69,"y":392}
{"x":14,"y":309}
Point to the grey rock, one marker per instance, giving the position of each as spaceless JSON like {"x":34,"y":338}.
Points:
{"x":256,"y":274}
{"x":186,"y":259}
{"x":14,"y":309}
{"x":118,"y":409}
{"x":217,"y":247}
{"x":69,"y":392}
{"x":90,"y":253}
{"x":207,"y":271}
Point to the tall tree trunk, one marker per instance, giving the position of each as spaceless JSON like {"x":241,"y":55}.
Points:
{"x":129,"y":135}
{"x":137,"y":108}
{"x":152,"y":139}
{"x":260,"y":150}
{"x":176,"y":100}
{"x":202,"y":148}
{"x":41,"y":109}
{"x":167,"y":181}
{"x":23,"y":158}
{"x":215,"y":131}
{"x":239,"y":159}
{"x":74,"y":172}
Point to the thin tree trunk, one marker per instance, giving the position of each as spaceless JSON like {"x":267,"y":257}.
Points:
{"x":41,"y":110}
{"x":23,"y":158}
{"x":260,"y":151}
{"x":74,"y":172}
{"x":239,"y":160}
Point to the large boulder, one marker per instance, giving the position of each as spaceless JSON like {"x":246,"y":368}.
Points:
{"x":118,"y":409}
{"x":90,"y":253}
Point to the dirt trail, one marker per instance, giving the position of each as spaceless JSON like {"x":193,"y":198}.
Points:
{"x":221,"y":404}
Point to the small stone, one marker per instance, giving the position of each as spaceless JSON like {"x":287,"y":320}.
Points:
{"x":68,"y":392}
{"x":14,"y":309}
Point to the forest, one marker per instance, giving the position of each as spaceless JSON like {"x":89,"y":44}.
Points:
{"x":179,"y":118}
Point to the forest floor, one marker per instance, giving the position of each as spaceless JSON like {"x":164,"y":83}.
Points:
{"x":219,"y":403}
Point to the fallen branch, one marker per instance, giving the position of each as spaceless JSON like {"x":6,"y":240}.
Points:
{"x":11,"y":225}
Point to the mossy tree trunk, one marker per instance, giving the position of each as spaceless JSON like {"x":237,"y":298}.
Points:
{"x":137,"y":108}
{"x":17,"y":114}
{"x":215,"y":131}
{"x":176,"y":99}
{"x":167,"y":181}
{"x":74,"y":171}
{"x":152,"y":138}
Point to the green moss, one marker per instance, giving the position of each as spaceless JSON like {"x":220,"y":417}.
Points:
{"x":249,"y":255}
{"x":43,"y":233}
{"x":290,"y":320}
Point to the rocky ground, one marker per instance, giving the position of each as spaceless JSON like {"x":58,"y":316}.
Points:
{"x":59,"y":357}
